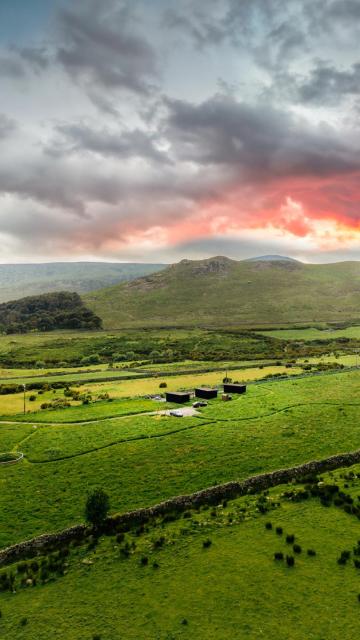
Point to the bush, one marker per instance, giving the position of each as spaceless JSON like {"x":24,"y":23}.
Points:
{"x":297,"y":548}
{"x":311,"y":552}
{"x":279,"y":531}
{"x":268,"y":526}
{"x":97,"y":507}
{"x":32,"y":397}
{"x":290,"y":539}
{"x":144,"y":561}
{"x":23,"y":622}
{"x":162,"y":385}
{"x":207,"y":543}
{"x":290,"y":561}
{"x":278,"y":555}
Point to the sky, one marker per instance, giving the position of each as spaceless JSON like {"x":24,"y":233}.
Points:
{"x":157,"y":130}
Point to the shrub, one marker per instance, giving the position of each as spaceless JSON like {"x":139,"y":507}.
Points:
{"x":97,"y":507}
{"x":207,"y":543}
{"x":144,"y":561}
{"x":96,"y":637}
{"x":184,"y":621}
{"x":162,"y":385}
{"x":279,"y":531}
{"x":155,"y":565}
{"x":268,"y":525}
{"x":311,"y":552}
{"x":23,"y":622}
{"x":290,"y":561}
{"x":290,"y":539}
{"x":278,"y":555}
{"x":32,"y":397}
{"x":296,"y":548}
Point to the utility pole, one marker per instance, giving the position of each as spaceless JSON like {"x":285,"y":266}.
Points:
{"x":24,"y":387}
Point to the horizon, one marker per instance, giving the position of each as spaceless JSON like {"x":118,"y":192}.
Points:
{"x":270,"y":257}
{"x":180,"y":132}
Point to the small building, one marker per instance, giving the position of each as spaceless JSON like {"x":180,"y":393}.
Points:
{"x":180,"y":397}
{"x":205,"y":392}
{"x":234,"y":388}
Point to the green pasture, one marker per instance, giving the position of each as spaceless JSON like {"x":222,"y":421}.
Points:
{"x":313,"y":334}
{"x":274,"y":425}
{"x":136,"y":387}
{"x":179,"y":589}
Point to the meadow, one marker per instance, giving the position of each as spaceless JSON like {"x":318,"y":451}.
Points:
{"x":312,"y":333}
{"x":142,"y":459}
{"x":211,"y":574}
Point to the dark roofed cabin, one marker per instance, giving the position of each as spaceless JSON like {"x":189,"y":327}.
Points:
{"x":234,"y":388}
{"x":180,"y":397}
{"x":206,"y":393}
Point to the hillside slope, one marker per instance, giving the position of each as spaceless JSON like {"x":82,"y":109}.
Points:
{"x":19,"y":280}
{"x":223,"y":292}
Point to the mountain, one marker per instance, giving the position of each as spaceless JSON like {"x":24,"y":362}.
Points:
{"x":18,"y":280}
{"x":223,"y":292}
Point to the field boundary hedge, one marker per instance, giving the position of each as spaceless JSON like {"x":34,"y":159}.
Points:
{"x":212,"y":495}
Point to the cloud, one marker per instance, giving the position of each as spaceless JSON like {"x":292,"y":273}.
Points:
{"x":99,"y":44}
{"x":7,"y":126}
{"x":108,"y":142}
{"x":326,"y":84}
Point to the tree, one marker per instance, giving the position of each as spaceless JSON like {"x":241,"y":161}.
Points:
{"x":97,"y":507}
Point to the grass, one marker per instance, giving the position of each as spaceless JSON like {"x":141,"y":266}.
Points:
{"x":12,"y":404}
{"x":275,"y":425}
{"x":104,"y":594}
{"x":313,"y":333}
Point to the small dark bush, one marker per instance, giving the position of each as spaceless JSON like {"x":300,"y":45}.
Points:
{"x":155,"y":565}
{"x":279,"y":531}
{"x":290,"y":539}
{"x":290,"y":561}
{"x":162,"y":385}
{"x":23,"y":622}
{"x":184,"y":621}
{"x":207,"y":543}
{"x":296,"y":548}
{"x":278,"y":555}
{"x":311,"y":552}
{"x":268,"y":525}
{"x":96,"y":637}
{"x":120,"y":537}
{"x":144,"y":561}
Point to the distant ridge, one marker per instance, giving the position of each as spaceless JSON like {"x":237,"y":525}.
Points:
{"x":19,"y":280}
{"x":222,"y":292}
{"x":272,"y":258}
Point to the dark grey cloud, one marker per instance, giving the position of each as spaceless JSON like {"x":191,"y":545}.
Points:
{"x":136,"y":143}
{"x":7,"y":126}
{"x":326,"y":84}
{"x":37,"y":58}
{"x":101,"y":45}
{"x":256,"y":141}
{"x":11,"y":66}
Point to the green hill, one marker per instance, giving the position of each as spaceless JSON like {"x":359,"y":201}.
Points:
{"x":19,"y":280}
{"x":60,"y":310}
{"x":223,"y":292}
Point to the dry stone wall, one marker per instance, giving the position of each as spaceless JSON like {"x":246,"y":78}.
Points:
{"x":212,"y":495}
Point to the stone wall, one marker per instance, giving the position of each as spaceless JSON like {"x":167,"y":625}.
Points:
{"x":212,"y":495}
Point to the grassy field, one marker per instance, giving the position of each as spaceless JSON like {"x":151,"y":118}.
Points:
{"x":167,"y":591}
{"x":274,"y":425}
{"x":313,"y":334}
{"x":12,"y":404}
